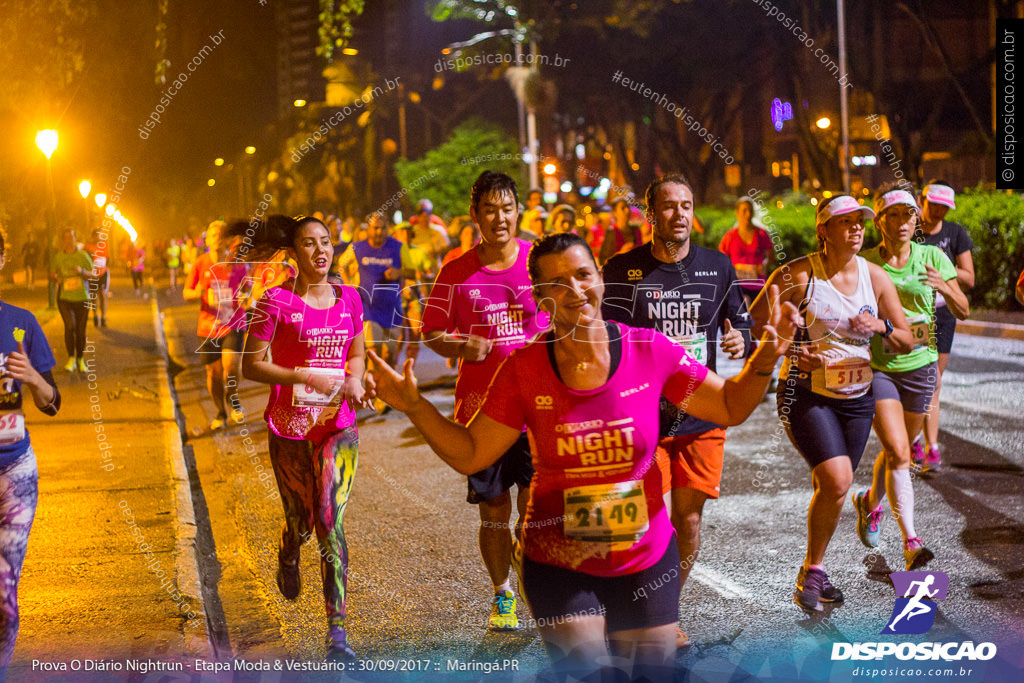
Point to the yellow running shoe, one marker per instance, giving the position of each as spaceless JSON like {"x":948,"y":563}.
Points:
{"x":503,"y":612}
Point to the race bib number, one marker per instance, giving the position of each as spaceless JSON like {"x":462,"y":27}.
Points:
{"x":696,"y":345}
{"x":848,"y":375}
{"x":306,"y":397}
{"x":606,"y":513}
{"x":745,"y":271}
{"x":12,"y":427}
{"x":918,"y":330}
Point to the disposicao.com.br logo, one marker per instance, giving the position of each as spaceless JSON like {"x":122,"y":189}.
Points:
{"x":914,"y":614}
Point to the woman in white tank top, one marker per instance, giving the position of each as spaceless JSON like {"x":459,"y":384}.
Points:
{"x":824,"y":395}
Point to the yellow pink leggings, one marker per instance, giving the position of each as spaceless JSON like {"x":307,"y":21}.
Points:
{"x":315,"y":480}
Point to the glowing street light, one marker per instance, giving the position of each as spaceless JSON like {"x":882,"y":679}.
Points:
{"x":211,"y":182}
{"x":100,"y":199}
{"x":84,"y":188}
{"x":46,"y":141}
{"x":549,"y":169}
{"x":299,"y":103}
{"x":823,"y":122}
{"x":110,"y":209}
{"x":250,"y":150}
{"x":218,"y":161}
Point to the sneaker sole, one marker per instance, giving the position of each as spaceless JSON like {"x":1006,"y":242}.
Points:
{"x":492,"y":627}
{"x":810,"y":610}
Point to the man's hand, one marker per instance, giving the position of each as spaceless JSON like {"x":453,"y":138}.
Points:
{"x":732,"y":341}
{"x":476,"y":348}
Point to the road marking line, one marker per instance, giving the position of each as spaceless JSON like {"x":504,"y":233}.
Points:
{"x":721,"y":584}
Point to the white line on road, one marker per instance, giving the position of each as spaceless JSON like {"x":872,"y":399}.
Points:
{"x":721,"y":584}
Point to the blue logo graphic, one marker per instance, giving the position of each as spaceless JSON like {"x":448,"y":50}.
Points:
{"x":916,"y":593}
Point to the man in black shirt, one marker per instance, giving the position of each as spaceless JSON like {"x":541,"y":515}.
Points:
{"x":690,"y":294}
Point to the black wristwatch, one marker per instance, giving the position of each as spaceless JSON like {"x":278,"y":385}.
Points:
{"x":888,"y":328}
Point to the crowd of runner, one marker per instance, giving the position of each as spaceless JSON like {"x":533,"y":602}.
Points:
{"x":586,"y":344}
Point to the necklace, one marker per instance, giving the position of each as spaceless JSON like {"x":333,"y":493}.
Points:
{"x":581,"y":366}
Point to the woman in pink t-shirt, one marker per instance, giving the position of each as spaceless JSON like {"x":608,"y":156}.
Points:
{"x":597,"y":537}
{"x":312,"y":328}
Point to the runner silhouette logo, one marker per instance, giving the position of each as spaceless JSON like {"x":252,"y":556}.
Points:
{"x":916,"y":595}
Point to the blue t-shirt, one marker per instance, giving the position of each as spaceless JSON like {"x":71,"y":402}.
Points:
{"x":382,"y":298}
{"x":18,"y":323}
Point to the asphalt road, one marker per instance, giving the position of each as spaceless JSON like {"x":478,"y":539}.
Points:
{"x":419,"y":590}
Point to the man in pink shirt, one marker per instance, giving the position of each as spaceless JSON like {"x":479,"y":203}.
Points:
{"x":480,"y":309}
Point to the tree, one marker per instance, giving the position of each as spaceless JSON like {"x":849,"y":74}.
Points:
{"x":446,"y":173}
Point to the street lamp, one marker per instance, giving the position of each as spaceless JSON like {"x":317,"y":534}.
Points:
{"x":46,"y":141}
{"x":100,"y":199}
{"x":84,"y":188}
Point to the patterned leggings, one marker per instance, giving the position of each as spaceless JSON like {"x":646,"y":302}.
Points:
{"x":315,"y":480}
{"x":19,"y":492}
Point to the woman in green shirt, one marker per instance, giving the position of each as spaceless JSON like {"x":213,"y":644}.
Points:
{"x":69,"y":267}
{"x":903,"y":384}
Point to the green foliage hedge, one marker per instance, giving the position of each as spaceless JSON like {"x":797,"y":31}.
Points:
{"x":445,"y":174}
{"x":995,"y":221}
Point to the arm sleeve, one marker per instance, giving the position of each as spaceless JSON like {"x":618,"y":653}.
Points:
{"x":723,"y":246}
{"x":264,"y":317}
{"x":439,"y":308}
{"x":503,"y":402}
{"x":54,"y":406}
{"x":942,"y":264}
{"x":963,"y":241}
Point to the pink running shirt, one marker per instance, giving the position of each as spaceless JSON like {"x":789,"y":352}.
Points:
{"x":746,"y":258}
{"x":596,"y":501}
{"x":497,"y":304}
{"x":316,"y":338}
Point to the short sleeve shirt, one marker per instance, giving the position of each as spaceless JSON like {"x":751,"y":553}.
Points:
{"x":496,"y":304}
{"x":17,"y":324}
{"x":747,"y":258}
{"x":596,"y":502}
{"x":301,"y":336}
{"x":918,"y":301}
{"x":227,"y":282}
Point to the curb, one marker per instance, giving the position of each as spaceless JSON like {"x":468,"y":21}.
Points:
{"x":186,"y":562}
{"x":979,"y":328}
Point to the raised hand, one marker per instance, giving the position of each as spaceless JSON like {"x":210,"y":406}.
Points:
{"x":20,"y":367}
{"x":781,"y":329}
{"x":398,"y":391}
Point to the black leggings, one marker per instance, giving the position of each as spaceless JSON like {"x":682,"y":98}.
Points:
{"x":137,"y":278}
{"x":75,"y":315}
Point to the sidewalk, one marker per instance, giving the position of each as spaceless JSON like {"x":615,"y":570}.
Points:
{"x":95,"y":585}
